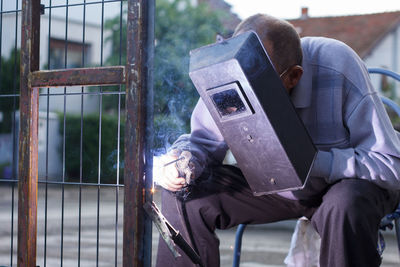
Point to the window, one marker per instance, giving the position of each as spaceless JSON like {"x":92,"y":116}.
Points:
{"x":77,"y":54}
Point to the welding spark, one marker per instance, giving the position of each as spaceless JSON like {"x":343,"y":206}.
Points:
{"x":158,"y":165}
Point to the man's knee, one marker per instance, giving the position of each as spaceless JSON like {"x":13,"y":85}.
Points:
{"x":352,"y":201}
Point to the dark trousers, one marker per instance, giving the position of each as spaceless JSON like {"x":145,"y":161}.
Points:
{"x":346,"y":216}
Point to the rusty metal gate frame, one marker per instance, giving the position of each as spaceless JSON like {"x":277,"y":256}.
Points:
{"x":137,"y":75}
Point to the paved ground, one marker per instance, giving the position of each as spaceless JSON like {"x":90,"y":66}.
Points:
{"x":265,"y":245}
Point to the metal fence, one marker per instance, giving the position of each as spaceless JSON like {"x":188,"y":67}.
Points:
{"x":75,"y":90}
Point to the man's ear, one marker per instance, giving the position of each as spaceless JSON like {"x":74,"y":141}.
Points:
{"x":293,"y":76}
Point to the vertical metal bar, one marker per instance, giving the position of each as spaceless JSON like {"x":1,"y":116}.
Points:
{"x":63,"y":180}
{"x":12,"y":224}
{"x":140,"y":17}
{"x":81,"y":143}
{"x":66,"y":33}
{"x":120,"y":33}
{"x":98,"y":188}
{"x":117,"y":183}
{"x":15,"y":158}
{"x":99,"y":158}
{"x":64,"y":137}
{"x":84,"y":34}
{"x":49,"y":38}
{"x":99,"y":154}
{"x":102,"y":34}
{"x":13,"y":177}
{"x":80,"y":185}
{"x":28,"y":135}
{"x":98,"y":217}
{"x":47,"y":140}
{"x":118,"y":145}
{"x":46,"y":179}
{"x":14,"y":125}
{"x":12,"y":186}
{"x":80,"y":189}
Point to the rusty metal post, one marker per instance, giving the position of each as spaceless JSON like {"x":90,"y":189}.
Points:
{"x":28,"y":135}
{"x":137,"y":233}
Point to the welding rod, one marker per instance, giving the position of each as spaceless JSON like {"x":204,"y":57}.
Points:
{"x":175,"y":160}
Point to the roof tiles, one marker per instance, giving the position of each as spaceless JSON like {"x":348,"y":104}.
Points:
{"x":361,"y":32}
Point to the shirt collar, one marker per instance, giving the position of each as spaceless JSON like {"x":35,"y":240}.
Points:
{"x":301,"y":94}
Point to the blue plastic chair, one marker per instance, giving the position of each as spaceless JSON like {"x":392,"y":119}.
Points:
{"x":389,"y":221}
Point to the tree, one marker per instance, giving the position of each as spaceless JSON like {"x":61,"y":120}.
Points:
{"x":180,"y":27}
{"x":9,"y":85}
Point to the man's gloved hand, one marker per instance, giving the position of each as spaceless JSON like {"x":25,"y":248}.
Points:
{"x":168,"y":176}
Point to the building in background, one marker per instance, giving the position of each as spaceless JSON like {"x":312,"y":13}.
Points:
{"x":64,"y":43}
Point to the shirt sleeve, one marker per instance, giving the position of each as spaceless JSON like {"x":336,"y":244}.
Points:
{"x":374,"y":152}
{"x":205,"y":141}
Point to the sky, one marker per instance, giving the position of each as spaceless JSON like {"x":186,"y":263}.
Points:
{"x":291,"y":9}
{"x":284,"y":9}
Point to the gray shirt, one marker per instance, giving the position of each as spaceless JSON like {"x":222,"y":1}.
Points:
{"x":342,"y":113}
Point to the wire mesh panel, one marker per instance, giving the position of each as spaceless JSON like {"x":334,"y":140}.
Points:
{"x":86,"y":133}
{"x":80,"y":135}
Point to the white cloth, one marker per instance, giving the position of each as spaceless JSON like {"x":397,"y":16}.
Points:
{"x":304,"y":246}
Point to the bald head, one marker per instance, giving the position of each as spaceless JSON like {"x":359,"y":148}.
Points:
{"x":279,"y":38}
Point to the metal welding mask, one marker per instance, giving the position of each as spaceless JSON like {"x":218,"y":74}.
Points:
{"x":248,"y":102}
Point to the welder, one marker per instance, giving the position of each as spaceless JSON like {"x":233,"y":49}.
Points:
{"x":355,"y":177}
